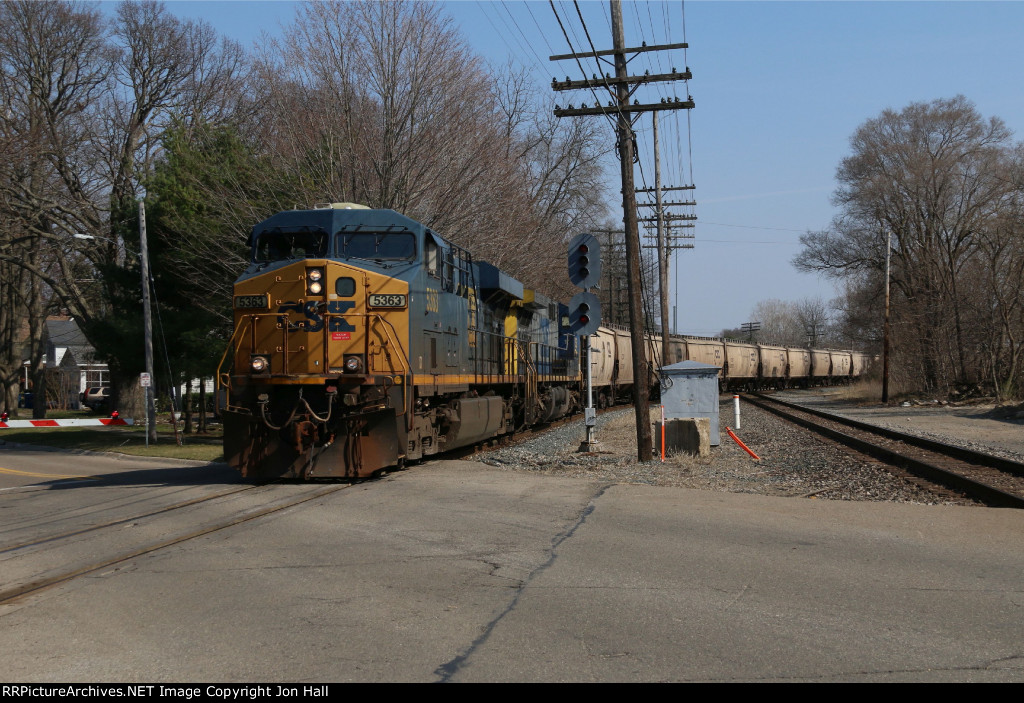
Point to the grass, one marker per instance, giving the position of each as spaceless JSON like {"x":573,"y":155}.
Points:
{"x":122,"y":440}
{"x":865,"y":391}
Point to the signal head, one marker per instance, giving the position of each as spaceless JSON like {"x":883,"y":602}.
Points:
{"x":584,"y":314}
{"x":585,"y":261}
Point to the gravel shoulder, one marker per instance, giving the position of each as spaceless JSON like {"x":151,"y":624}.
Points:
{"x":793,"y":462}
{"x":979,"y":425}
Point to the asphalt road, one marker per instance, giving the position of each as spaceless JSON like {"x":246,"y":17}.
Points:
{"x":457,"y":571}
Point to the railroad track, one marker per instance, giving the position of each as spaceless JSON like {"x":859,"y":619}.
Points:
{"x":32,"y":565}
{"x":992,"y":480}
{"x":45,"y":552}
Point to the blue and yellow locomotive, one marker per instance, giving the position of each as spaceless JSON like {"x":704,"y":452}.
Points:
{"x":364,"y":340}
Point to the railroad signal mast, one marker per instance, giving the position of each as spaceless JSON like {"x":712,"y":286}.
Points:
{"x":585,"y":314}
{"x":620,"y":88}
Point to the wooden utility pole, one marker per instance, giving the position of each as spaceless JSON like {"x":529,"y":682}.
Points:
{"x":668,"y":240}
{"x":644,"y":436}
{"x":885,"y":327}
{"x":147,"y":321}
{"x":620,"y":90}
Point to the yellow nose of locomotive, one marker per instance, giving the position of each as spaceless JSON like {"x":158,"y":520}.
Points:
{"x":319,"y":319}
{"x":319,"y":385}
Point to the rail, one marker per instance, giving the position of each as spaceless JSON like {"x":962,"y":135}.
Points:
{"x":933,"y":461}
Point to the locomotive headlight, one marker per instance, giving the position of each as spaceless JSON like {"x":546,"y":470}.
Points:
{"x":353,"y":364}
{"x":314,"y":281}
{"x":259,"y":364}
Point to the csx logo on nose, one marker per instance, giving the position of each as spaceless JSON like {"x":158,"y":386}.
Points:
{"x":316,"y":321}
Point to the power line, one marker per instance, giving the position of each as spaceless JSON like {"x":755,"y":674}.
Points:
{"x":775,"y":229}
{"x":573,"y":50}
{"x":539,"y":59}
{"x":504,"y":34}
{"x":541,"y":30}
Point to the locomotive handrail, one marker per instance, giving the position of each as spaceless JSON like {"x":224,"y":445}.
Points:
{"x":395,"y":340}
{"x":406,"y":367}
{"x":530,"y":382}
{"x":496,"y":352}
{"x":231,"y":340}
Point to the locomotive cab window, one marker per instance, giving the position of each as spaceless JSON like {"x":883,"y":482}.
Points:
{"x":447,"y":278}
{"x":432,"y":256}
{"x":283,"y":244}
{"x":377,"y":246}
{"x":345,"y":287}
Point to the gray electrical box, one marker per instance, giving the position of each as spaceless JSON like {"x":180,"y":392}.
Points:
{"x":690,"y":389}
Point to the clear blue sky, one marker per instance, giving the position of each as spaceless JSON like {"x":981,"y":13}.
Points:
{"x":779,"y":88}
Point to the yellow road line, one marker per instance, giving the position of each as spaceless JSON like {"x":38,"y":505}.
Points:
{"x":33,"y":474}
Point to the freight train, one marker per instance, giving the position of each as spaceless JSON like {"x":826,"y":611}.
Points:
{"x":364,"y":340}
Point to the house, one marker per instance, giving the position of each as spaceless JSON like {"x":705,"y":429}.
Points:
{"x":71,"y":366}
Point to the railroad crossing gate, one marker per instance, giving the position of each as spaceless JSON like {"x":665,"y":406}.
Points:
{"x":104,"y":421}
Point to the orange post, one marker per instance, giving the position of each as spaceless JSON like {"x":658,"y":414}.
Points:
{"x":745,"y":447}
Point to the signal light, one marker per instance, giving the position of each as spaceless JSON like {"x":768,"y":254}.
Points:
{"x":585,"y":261}
{"x":584,"y":317}
{"x":584,"y":314}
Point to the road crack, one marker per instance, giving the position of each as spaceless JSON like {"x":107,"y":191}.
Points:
{"x":449,"y":669}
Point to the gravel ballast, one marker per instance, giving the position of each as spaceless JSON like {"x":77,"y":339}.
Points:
{"x":793,"y":461}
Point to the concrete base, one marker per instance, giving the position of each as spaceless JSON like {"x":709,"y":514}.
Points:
{"x":690,"y":435}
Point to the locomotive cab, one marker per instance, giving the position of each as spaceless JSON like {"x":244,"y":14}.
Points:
{"x":320,"y":345}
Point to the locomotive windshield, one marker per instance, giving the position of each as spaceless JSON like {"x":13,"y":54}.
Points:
{"x":376,"y":245}
{"x":283,"y":243}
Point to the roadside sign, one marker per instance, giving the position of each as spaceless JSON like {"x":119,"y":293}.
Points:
{"x":144,"y":380}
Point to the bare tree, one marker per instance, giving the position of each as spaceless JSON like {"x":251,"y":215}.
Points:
{"x":383,"y":104}
{"x":997,"y":272}
{"x":931,"y":176}
{"x":814,"y":321}
{"x":48,"y":53}
{"x":779,"y":323}
{"x":84,"y":105}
